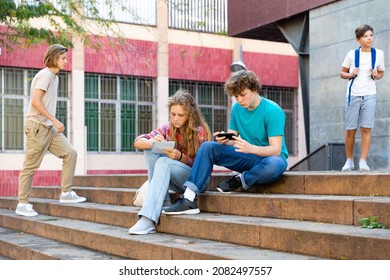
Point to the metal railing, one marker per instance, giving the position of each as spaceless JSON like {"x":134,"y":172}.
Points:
{"x":199,"y":15}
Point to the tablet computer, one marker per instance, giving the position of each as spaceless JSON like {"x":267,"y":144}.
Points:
{"x":158,"y":147}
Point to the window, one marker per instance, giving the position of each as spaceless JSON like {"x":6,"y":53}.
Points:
{"x":117,"y":109}
{"x":14,"y":101}
{"x":129,"y":11}
{"x":211,"y":99}
{"x":287,"y":100}
{"x":63,"y":100}
{"x":215,"y":106}
{"x":199,"y":15}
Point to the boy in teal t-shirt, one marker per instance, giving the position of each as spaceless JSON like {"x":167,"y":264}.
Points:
{"x":257,"y":151}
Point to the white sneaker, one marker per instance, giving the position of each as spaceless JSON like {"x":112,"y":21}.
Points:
{"x":25,"y":209}
{"x":348,"y":166}
{"x":143,"y":226}
{"x":71,"y":197}
{"x":139,"y":231}
{"x":363,"y":166}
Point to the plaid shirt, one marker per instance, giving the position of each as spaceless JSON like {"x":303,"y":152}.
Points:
{"x":165,"y":132}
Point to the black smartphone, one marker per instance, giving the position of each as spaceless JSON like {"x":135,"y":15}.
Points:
{"x":227,"y":135}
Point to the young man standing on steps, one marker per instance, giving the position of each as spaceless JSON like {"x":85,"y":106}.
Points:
{"x":257,"y":151}
{"x":44,"y":132}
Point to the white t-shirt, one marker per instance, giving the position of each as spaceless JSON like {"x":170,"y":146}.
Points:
{"x":363,"y":83}
{"x":48,"y":82}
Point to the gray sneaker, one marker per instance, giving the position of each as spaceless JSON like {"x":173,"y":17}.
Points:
{"x":71,"y":197}
{"x":25,"y":209}
{"x":230,"y":185}
{"x":182,"y":206}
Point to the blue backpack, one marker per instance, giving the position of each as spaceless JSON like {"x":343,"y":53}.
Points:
{"x":357,"y":62}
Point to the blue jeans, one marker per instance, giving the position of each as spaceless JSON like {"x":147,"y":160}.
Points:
{"x":163,"y":174}
{"x":254,"y":169}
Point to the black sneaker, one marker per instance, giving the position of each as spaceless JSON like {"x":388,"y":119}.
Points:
{"x":182,"y":206}
{"x":230,"y":185}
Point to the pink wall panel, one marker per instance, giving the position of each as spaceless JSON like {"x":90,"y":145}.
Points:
{"x":107,"y":172}
{"x":131,"y":57}
{"x":9,"y":180}
{"x":199,"y":63}
{"x":31,"y":57}
{"x":28,"y":57}
{"x":274,"y":69}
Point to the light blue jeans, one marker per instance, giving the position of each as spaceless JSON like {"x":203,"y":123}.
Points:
{"x":163,"y":174}
{"x":254,"y":169}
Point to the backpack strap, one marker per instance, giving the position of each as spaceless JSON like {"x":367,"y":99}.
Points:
{"x":373,"y":58}
{"x":357,"y":57}
{"x":357,"y":62}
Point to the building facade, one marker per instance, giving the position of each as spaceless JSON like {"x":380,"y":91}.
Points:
{"x":108,"y":96}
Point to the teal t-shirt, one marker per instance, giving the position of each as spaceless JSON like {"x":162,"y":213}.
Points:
{"x":256,"y":126}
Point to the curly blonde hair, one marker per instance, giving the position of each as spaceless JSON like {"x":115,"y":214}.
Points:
{"x":189,"y":137}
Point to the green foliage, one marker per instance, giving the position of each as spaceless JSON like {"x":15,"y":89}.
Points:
{"x":65,"y":17}
{"x":370,"y":222}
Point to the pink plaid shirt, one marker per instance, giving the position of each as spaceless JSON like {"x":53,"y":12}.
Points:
{"x":165,"y":132}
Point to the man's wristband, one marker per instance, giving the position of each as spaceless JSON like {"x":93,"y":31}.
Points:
{"x":181,"y":155}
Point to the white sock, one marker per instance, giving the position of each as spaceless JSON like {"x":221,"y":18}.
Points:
{"x":21,"y":204}
{"x":145,"y":222}
{"x":65,"y":193}
{"x":189,"y":194}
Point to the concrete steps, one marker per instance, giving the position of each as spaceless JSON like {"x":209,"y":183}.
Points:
{"x":24,"y":246}
{"x":116,"y":240}
{"x":295,"y":218}
{"x":320,"y":182}
{"x":339,"y":209}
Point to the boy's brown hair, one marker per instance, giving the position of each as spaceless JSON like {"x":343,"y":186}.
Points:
{"x":52,"y":54}
{"x":361,"y":30}
{"x":241,"y":80}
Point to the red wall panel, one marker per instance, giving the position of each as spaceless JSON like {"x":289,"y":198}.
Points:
{"x":9,"y":180}
{"x":27,"y":57}
{"x":130,"y":57}
{"x":199,"y":63}
{"x":274,"y":69}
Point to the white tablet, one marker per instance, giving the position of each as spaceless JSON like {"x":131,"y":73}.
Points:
{"x":158,"y":147}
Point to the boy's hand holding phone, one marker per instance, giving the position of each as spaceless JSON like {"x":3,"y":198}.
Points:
{"x":223,"y":137}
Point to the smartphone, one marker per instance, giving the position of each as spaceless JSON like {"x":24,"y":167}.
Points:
{"x":227,"y":135}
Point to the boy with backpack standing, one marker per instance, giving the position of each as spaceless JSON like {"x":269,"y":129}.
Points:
{"x":362,"y":67}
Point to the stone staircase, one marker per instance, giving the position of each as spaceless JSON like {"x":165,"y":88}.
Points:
{"x":312,"y":215}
